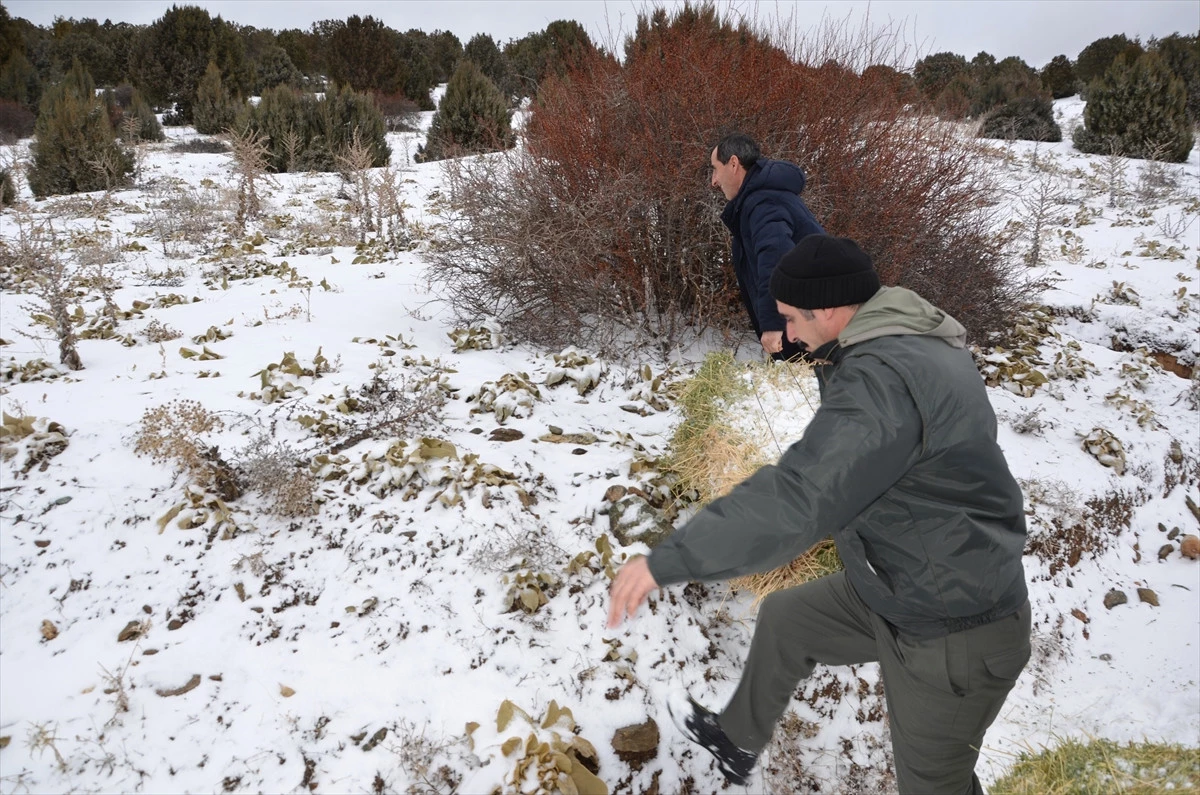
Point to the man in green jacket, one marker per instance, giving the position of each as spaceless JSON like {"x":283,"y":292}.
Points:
{"x":900,"y":465}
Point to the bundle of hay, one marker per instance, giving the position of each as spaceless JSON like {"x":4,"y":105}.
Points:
{"x":738,"y":417}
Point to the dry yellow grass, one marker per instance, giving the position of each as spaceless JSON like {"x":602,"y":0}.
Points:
{"x":733,"y":415}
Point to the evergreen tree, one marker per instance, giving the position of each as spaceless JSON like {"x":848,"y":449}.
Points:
{"x":362,"y":54}
{"x":554,"y":51}
{"x":482,"y":51}
{"x":1026,"y":118}
{"x":933,"y":73}
{"x":1182,"y":55}
{"x":275,"y":68}
{"x":444,"y":51}
{"x":304,"y":133}
{"x":171,"y":55}
{"x":214,"y":110}
{"x":75,"y":149}
{"x":1094,"y":59}
{"x":1058,"y":77}
{"x":473,"y":117}
{"x":1139,"y":110}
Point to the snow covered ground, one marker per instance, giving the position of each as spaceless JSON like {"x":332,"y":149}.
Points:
{"x":439,"y":588}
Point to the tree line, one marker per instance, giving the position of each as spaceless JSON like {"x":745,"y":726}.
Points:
{"x":167,"y":59}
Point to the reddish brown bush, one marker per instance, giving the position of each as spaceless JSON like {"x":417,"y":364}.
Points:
{"x":606,"y":220}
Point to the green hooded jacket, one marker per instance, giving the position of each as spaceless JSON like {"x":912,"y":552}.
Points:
{"x":900,"y":465}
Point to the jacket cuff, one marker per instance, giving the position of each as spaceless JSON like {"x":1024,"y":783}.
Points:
{"x":666,"y":566}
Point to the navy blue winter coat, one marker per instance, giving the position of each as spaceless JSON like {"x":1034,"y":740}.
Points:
{"x":767,"y":218}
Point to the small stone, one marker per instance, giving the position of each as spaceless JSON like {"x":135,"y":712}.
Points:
{"x":579,"y":451}
{"x":1106,"y":657}
{"x":505,"y":435}
{"x":636,"y":744}
{"x":1082,"y":616}
{"x":554,"y":429}
{"x":1115,"y":597}
{"x":614,"y":493}
{"x":147,"y":609}
{"x":1162,"y":528}
{"x":149,"y":652}
{"x":132,"y":631}
{"x":49,"y":631}
{"x":1148,"y":596}
{"x":41,"y":543}
{"x":1171,"y":536}
{"x":1190,"y":547}
{"x":477,"y":431}
{"x":174,"y":624}
{"x":217,"y":677}
{"x":61,"y":501}
{"x":1164,"y":550}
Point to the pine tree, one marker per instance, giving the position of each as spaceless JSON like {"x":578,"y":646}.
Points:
{"x":1138,"y":110}
{"x":473,"y":117}
{"x":75,"y":148}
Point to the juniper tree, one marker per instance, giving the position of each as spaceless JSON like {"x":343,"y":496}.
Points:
{"x":76,"y":149}
{"x":1140,"y":108}
{"x":215,"y":110}
{"x":472,"y":117}
{"x":1059,"y":78}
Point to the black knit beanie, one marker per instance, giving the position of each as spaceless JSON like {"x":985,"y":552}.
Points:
{"x":824,"y":271}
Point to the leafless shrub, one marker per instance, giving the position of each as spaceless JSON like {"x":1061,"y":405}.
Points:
{"x":1064,"y":534}
{"x":604,"y":224}
{"x":279,"y":475}
{"x":1035,"y":205}
{"x":1030,"y":422}
{"x":37,"y":259}
{"x":354,"y":163}
{"x":1113,"y":172}
{"x":424,"y":760}
{"x":391,"y":405}
{"x":174,"y":433}
{"x":1156,"y":180}
{"x":156,"y":331}
{"x":183,"y":216}
{"x":1172,"y":226}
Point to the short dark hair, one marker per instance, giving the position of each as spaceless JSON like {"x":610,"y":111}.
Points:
{"x":739,"y":144}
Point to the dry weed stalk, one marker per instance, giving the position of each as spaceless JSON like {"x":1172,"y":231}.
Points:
{"x":355,"y":162}
{"x":251,"y":156}
{"x":35,"y":254}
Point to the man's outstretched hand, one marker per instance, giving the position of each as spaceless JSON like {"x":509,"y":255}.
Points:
{"x":772,"y":341}
{"x":633,"y":584}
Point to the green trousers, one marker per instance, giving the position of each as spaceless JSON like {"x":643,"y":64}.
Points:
{"x":942,"y":694}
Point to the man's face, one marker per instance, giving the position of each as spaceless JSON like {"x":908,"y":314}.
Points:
{"x":810,"y":327}
{"x":727,"y":177}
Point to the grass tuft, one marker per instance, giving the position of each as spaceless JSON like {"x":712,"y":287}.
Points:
{"x":1103,"y":766}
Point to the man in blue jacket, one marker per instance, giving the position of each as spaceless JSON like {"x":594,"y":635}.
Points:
{"x":766,"y":218}
{"x":901,"y":466}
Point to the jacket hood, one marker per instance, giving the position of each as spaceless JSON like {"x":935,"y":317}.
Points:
{"x":772,"y":175}
{"x":895,"y":311}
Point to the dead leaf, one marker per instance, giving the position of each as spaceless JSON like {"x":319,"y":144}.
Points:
{"x":286,"y":691}
{"x":49,"y":631}
{"x":191,"y":685}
